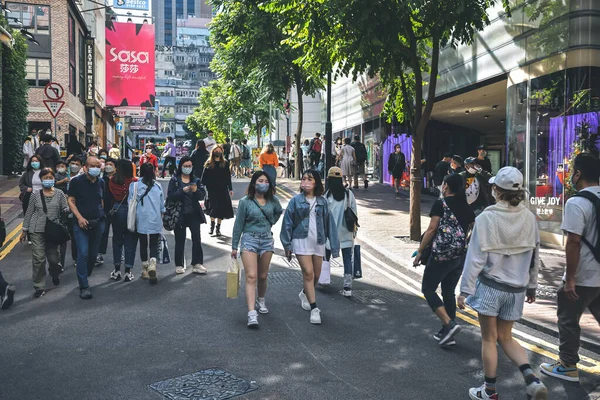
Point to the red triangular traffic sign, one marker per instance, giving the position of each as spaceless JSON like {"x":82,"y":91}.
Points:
{"x":54,"y":106}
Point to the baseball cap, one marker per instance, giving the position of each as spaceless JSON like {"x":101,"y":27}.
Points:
{"x":448,"y":155}
{"x":334,"y":172}
{"x":482,"y":147}
{"x":508,"y":178}
{"x":469,"y":160}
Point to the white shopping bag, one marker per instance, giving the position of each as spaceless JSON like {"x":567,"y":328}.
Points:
{"x":325,"y":278}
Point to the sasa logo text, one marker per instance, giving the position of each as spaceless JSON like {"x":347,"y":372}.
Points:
{"x":132,"y":57}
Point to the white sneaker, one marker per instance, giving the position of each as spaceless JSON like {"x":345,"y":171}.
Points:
{"x":304,"y":301}
{"x":537,"y":391}
{"x":179,"y":270}
{"x":145,"y":270}
{"x":262,"y":307}
{"x":128,"y":277}
{"x":479,"y":393}
{"x":315,"y":316}
{"x":115,"y":275}
{"x":346,"y":292}
{"x":199,"y":269}
{"x":252,"y":319}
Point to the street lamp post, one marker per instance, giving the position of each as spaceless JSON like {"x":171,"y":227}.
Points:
{"x":246,"y":130}
{"x":328,"y":131}
{"x":230,"y":120}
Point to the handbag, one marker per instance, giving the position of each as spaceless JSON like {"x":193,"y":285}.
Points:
{"x":55,"y":231}
{"x":172,"y":213}
{"x":325,"y":277}
{"x":350,"y":217}
{"x":132,"y":211}
{"x":233,"y":279}
{"x":163,"y":251}
{"x":357,"y":262}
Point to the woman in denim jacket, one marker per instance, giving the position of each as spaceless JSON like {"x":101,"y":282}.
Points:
{"x":307,"y":225}
{"x":256,"y":215}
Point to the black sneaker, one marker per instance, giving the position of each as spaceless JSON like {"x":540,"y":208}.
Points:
{"x":8,"y":297}
{"x":85,"y":294}
{"x":99,"y":259}
{"x":448,"y":332}
{"x":438,"y":337}
{"x":39,"y":293}
{"x":55,"y":280}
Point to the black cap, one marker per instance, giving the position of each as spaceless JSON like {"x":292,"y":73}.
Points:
{"x":482,"y":147}
{"x":458,"y":160}
{"x":448,"y":155}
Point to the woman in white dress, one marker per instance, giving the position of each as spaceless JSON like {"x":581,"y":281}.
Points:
{"x":348,"y":162}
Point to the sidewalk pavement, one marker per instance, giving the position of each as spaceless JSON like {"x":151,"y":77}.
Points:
{"x":9,"y":198}
{"x":384,"y":226}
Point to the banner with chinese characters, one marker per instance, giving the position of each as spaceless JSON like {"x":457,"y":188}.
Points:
{"x":129,"y":64}
{"x":89,"y":72}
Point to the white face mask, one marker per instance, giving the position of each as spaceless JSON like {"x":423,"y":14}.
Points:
{"x":472,"y":171}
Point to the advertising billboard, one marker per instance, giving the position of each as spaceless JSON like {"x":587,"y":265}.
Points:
{"x":141,"y":5}
{"x":129,"y":64}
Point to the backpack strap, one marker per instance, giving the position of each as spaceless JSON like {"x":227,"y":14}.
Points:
{"x":595,"y":200}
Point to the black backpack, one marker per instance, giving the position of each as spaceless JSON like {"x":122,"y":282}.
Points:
{"x":595,"y":248}
{"x":361,"y":152}
{"x":245,"y":152}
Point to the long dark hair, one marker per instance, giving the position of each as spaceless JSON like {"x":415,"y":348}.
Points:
{"x":183,"y":160}
{"x":147,"y":174}
{"x":39,"y":159}
{"x":456,"y":184}
{"x":319,"y":188}
{"x":336,"y":188}
{"x":124,"y":171}
{"x":252,"y":186}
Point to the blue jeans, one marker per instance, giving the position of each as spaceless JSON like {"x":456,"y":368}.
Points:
{"x":122,"y":237}
{"x":88,"y":243}
{"x":271,"y":172}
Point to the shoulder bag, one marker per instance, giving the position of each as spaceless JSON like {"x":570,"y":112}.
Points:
{"x":172,"y":212}
{"x":350,"y":217}
{"x":132,"y":211}
{"x":55,"y":232}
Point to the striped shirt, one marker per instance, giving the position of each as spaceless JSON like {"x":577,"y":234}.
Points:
{"x":35,"y":219}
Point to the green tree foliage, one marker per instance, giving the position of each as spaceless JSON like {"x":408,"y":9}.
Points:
{"x":14,"y":101}
{"x":252,"y":49}
{"x":398,"y":40}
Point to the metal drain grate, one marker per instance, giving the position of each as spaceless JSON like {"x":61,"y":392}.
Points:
{"x":213,"y":384}
{"x":379,"y":297}
{"x":285,"y":278}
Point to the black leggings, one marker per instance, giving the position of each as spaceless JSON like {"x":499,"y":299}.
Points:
{"x":448,"y":274}
{"x":154,"y":238}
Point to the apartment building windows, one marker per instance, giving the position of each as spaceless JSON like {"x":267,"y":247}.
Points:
{"x":38,"y":72}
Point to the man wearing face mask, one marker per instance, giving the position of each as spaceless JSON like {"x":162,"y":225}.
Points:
{"x":477,"y":187}
{"x":149,"y":157}
{"x":210,"y":141}
{"x":581,"y":283}
{"x":86,"y":194}
{"x":482,"y":160}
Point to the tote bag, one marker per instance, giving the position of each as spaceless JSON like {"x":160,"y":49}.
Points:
{"x":132,"y":212}
{"x":233,"y":279}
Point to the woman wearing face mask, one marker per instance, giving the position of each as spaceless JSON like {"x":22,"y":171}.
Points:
{"x":103,"y":156}
{"x":396,"y":167}
{"x":73,"y":171}
{"x":30,"y":181}
{"x":149,"y":225}
{"x":256,"y":215}
{"x":442,"y":267}
{"x":477,"y":188}
{"x":217,"y":180}
{"x":34,"y":225}
{"x":109,"y":171}
{"x":307,"y":226}
{"x":338,"y":151}
{"x":149,"y":157}
{"x":338,"y":200}
{"x":62,"y":182}
{"x":186,"y":188}
{"x":118,"y":188}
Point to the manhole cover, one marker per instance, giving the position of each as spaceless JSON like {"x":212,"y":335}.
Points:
{"x":207,"y":384}
{"x":375,"y":296}
{"x":286,"y":278}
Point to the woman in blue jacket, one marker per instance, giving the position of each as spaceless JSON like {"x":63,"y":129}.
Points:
{"x":307,"y":225}
{"x":150,"y":207}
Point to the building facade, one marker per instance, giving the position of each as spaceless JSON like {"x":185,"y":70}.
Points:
{"x":167,"y":13}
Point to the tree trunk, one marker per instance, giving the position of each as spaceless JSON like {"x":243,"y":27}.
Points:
{"x":298,"y":135}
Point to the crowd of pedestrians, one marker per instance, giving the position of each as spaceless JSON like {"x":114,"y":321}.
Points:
{"x":480,"y":230}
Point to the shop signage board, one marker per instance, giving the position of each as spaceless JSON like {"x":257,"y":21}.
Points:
{"x":89,"y":72}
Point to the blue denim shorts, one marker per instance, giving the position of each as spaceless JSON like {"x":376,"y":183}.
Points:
{"x":257,"y":242}
{"x":497,"y":303}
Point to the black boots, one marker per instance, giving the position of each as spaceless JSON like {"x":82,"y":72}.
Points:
{"x":218,"y":233}
{"x":212,"y":227}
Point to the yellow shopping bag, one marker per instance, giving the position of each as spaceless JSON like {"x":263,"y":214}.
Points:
{"x":233,"y":279}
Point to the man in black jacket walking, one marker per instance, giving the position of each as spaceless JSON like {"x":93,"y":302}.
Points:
{"x":49,"y":154}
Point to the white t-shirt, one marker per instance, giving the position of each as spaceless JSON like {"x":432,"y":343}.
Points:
{"x":309,"y":246}
{"x":36,"y":182}
{"x":210,"y":143}
{"x":580,"y":219}
{"x":472,"y":191}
